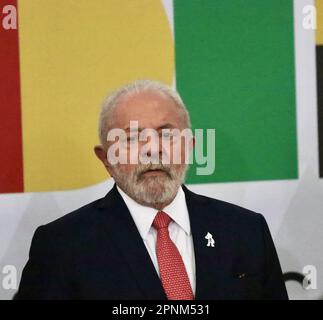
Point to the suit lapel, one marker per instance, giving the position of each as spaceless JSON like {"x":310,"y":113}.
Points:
{"x":207,"y":258}
{"x":122,"y":230}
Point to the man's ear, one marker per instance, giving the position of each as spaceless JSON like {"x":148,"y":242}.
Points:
{"x":102,"y":155}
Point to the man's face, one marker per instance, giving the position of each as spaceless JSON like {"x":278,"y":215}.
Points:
{"x":150,"y":183}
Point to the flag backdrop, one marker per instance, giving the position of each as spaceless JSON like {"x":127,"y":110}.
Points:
{"x":246,"y":68}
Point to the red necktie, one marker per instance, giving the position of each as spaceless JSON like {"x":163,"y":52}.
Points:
{"x":172,"y":270}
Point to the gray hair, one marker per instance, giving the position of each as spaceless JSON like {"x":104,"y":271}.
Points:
{"x":137,"y":86}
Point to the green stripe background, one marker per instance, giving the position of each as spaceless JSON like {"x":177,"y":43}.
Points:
{"x":235,"y":72}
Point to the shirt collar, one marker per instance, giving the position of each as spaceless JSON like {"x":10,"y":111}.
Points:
{"x":144,"y":216}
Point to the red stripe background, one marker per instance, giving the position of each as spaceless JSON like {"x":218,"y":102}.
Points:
{"x":11,"y":158}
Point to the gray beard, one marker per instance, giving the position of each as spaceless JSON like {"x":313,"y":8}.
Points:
{"x":150,"y":191}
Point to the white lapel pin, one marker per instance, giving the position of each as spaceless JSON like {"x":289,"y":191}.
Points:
{"x":210,"y":240}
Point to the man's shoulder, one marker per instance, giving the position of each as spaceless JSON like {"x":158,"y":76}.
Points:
{"x":78,"y":220}
{"x":222,"y":210}
{"x":235,"y":224}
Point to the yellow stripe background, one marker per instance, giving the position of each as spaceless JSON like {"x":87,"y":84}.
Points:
{"x":319,"y":19}
{"x":72,"y":54}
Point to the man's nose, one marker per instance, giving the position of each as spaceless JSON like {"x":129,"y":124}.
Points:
{"x":155,"y":149}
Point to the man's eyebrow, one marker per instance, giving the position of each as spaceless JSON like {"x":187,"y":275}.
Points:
{"x":164,"y":126}
{"x":132,"y":129}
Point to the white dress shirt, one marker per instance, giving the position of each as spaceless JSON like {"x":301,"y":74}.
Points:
{"x":179,"y":230}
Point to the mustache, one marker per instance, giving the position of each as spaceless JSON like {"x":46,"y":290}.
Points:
{"x":143,"y":168}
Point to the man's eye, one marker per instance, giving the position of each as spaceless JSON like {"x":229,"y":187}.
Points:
{"x":131,"y":138}
{"x":166,"y":135}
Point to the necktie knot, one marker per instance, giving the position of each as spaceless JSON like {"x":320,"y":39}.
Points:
{"x":162,"y":220}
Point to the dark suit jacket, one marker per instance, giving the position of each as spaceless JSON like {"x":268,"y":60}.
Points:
{"x":96,"y":252}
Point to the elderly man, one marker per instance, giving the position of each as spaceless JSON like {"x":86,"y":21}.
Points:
{"x":150,"y":237}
